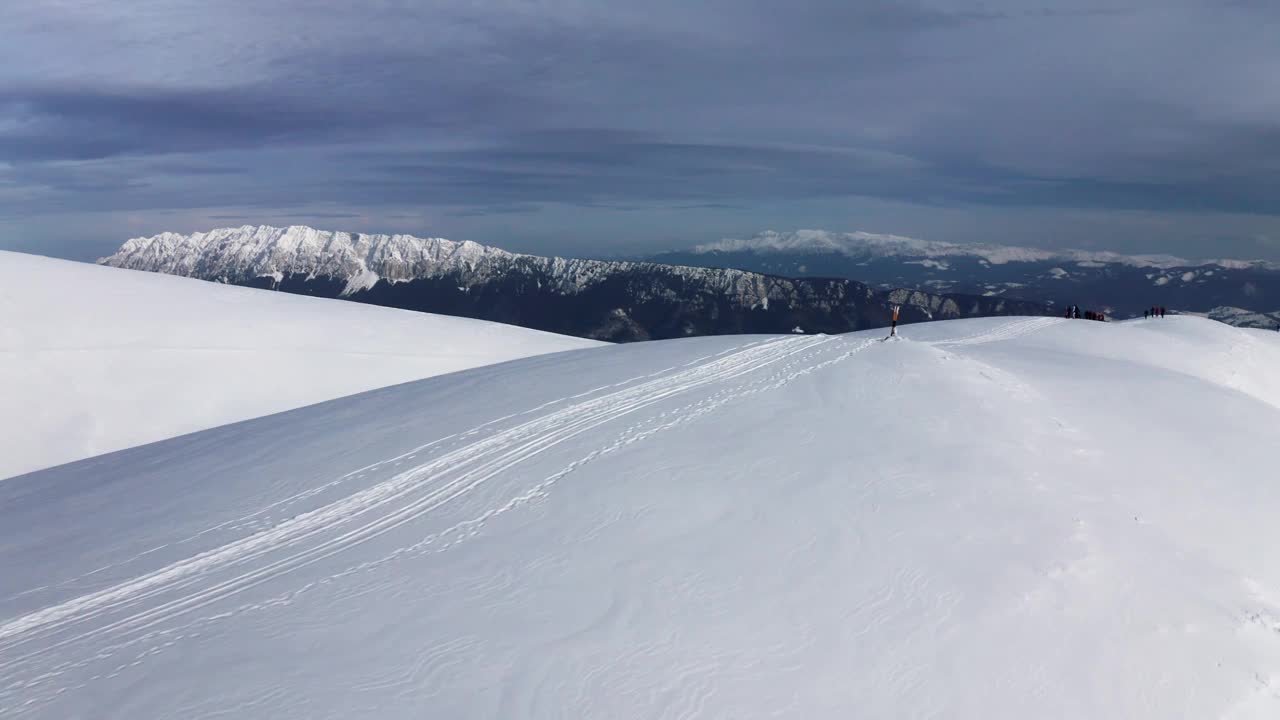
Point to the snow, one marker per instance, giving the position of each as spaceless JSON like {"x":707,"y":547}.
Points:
{"x":1241,"y":317}
{"x":361,"y":260}
{"x":363,"y":280}
{"x":97,"y":359}
{"x":878,"y":245}
{"x":933,"y":264}
{"x":874,"y":244}
{"x":996,"y":518}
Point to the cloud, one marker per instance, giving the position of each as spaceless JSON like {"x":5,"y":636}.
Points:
{"x":274,"y":216}
{"x":494,"y":109}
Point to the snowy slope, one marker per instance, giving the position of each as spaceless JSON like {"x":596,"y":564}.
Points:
{"x":96,"y":359}
{"x":996,"y":518}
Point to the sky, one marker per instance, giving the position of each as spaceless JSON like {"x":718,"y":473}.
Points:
{"x":610,"y":128}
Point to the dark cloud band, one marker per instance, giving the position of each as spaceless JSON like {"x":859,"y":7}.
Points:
{"x":492,"y":109}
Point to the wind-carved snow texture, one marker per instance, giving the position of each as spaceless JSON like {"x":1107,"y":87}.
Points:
{"x":1001,"y":518}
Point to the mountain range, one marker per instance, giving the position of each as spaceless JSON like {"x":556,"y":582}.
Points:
{"x":600,"y":299}
{"x":1239,"y":317}
{"x":1121,"y":285}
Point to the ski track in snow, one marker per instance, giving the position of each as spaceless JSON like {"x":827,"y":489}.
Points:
{"x":120,"y":616}
{"x":116,"y":372}
{"x":1008,"y":331}
{"x":799,"y":366}
{"x":155,"y":610}
{"x":264,"y":517}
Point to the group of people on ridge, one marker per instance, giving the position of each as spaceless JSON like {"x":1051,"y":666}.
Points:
{"x":1074,"y":312}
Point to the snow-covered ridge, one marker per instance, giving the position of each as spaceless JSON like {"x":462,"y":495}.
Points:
{"x":96,"y":359}
{"x":265,"y":251}
{"x":361,"y":260}
{"x":677,"y":300}
{"x":873,"y":245}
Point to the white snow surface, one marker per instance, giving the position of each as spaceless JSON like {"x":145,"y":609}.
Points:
{"x":263,"y":250}
{"x":866,"y":244}
{"x":96,"y":359}
{"x":995,"y":518}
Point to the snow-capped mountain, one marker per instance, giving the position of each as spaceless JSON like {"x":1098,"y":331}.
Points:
{"x":590,"y":298}
{"x":1239,"y":317}
{"x":95,"y":359}
{"x":1121,"y":284}
{"x":992,"y":519}
{"x":865,"y":244}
